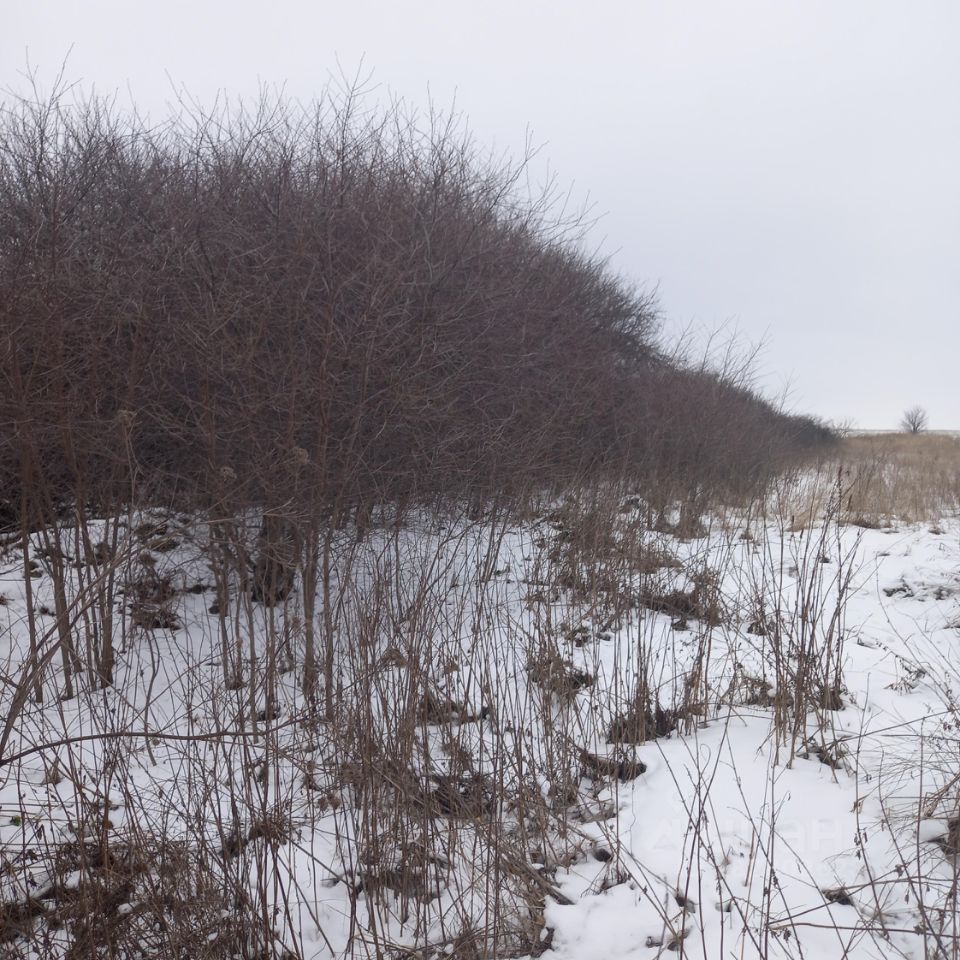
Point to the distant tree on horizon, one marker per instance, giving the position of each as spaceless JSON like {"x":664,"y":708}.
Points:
{"x":914,"y":420}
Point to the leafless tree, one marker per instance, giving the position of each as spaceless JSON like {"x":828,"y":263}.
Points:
{"x":914,"y":420}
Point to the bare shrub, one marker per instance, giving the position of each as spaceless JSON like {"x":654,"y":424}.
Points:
{"x":317,"y":311}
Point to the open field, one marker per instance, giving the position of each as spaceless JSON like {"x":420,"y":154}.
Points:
{"x":898,"y":476}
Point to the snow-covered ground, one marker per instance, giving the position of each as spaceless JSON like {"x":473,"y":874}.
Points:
{"x":478,"y":791}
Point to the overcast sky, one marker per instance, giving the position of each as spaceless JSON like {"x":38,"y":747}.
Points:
{"x":790,"y":169}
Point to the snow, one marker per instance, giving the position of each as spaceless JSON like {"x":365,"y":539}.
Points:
{"x":732,"y":842}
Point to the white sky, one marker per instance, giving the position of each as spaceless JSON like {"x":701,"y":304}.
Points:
{"x":790,"y":168}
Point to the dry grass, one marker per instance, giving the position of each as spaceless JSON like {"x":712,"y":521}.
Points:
{"x":900,"y":476}
{"x":879,"y":480}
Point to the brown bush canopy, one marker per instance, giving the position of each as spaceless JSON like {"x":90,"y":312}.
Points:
{"x":256,"y":305}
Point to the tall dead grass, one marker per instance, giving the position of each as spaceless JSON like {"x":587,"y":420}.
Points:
{"x":882,"y":479}
{"x":909,"y":477}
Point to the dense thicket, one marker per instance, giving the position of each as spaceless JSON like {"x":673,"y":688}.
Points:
{"x":325,"y":303}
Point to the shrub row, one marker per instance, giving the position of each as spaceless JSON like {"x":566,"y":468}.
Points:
{"x":329,"y":304}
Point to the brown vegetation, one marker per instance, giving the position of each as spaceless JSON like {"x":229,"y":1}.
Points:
{"x":891,"y":477}
{"x":326,"y":308}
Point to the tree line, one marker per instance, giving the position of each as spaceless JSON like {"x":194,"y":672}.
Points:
{"x":333,"y":306}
